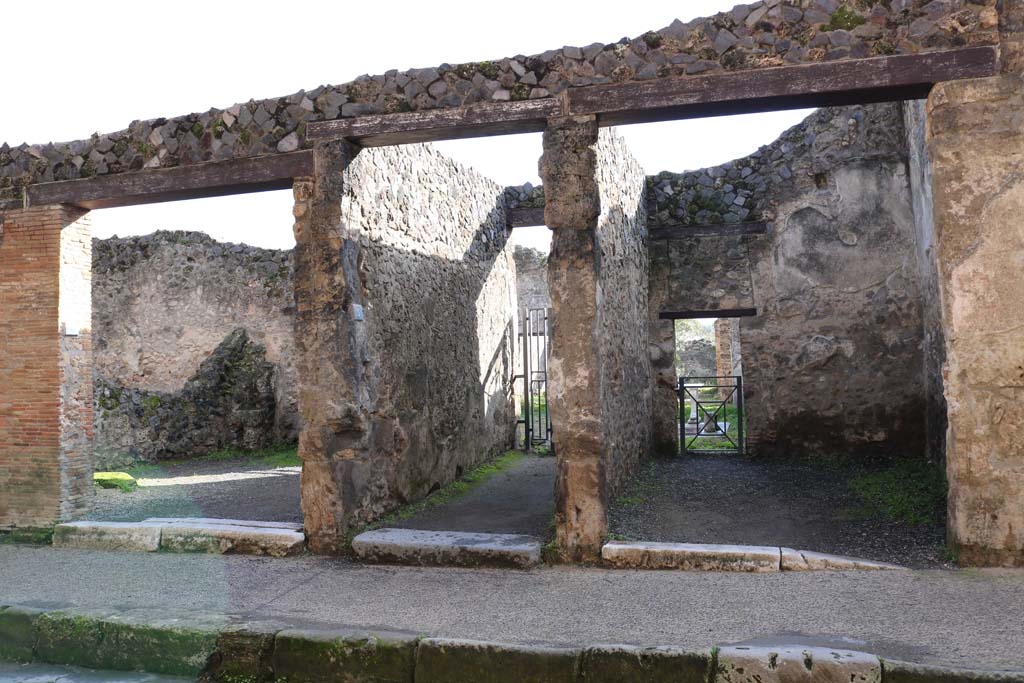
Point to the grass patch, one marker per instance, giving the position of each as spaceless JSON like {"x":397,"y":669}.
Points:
{"x":912,"y":491}
{"x":27,"y":535}
{"x":115,"y":480}
{"x":279,"y":456}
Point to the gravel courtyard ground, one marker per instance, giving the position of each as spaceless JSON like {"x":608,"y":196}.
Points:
{"x":243,"y":487}
{"x":801,"y":504}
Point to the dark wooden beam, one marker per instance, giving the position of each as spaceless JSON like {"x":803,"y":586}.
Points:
{"x":526,"y":217}
{"x":710,"y":230}
{"x":475,"y":120}
{"x":727,"y":313}
{"x":206,"y":179}
{"x":822,"y":84}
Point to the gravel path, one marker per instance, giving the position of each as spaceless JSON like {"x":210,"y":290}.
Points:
{"x":239,"y":488}
{"x":520,"y":500}
{"x":800,"y":504}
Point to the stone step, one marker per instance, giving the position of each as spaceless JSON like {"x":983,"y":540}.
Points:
{"x":181,"y":535}
{"x":713,"y":557}
{"x":691,"y":556}
{"x":226,"y":522}
{"x":447,"y":548}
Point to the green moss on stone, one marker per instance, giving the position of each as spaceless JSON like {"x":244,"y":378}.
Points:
{"x":844,"y":18}
{"x":115,"y":480}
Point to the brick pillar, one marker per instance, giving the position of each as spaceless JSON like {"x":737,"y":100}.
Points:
{"x":45,"y":366}
{"x":330,"y":346}
{"x":977,"y":148}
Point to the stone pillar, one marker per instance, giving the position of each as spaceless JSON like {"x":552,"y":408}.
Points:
{"x":665,"y":407}
{"x":45,"y":366}
{"x":600,"y":370}
{"x":329,"y":344}
{"x":976,"y":142}
{"x":572,"y":206}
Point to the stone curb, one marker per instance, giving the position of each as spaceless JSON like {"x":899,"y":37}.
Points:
{"x":183,"y":535}
{"x":447,"y":548}
{"x":729,"y":558}
{"x":219,"y":648}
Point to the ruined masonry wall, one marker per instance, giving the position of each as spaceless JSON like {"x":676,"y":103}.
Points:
{"x":162,"y":305}
{"x":437,"y":279}
{"x":532,"y":278}
{"x":835,"y":283}
{"x":976,"y":147}
{"x":761,"y":34}
{"x":622,"y":306}
{"x":932,"y":340}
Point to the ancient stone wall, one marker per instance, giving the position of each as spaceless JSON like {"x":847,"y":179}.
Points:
{"x":405,"y":284}
{"x":622,"y":347}
{"x":933,"y":339}
{"x":835,"y":283}
{"x":976,"y":147}
{"x":532,"y":278}
{"x":163,"y":304}
{"x":761,"y":34}
{"x":696,"y":358}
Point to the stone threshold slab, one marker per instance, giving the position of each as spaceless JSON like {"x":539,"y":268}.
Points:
{"x":222,"y":647}
{"x":447,"y":548}
{"x":181,"y":535}
{"x":736,"y":558}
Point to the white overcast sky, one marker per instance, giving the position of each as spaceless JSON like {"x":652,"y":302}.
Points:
{"x":73,"y":68}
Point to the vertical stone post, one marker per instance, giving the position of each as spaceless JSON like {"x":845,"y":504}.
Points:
{"x":572,"y":206}
{"x":330,"y":345}
{"x":600,"y":369}
{"x":46,"y":385}
{"x":665,"y":408}
{"x":976,"y":143}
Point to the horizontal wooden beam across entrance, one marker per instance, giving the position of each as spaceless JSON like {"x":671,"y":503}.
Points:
{"x":473,"y":121}
{"x":824,"y":84}
{"x":853,"y":81}
{"x":727,"y":313}
{"x":711,"y":230}
{"x":206,"y":179}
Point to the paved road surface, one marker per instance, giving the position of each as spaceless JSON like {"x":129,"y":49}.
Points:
{"x":961,"y":618}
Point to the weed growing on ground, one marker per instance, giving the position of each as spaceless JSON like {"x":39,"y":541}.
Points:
{"x":911,"y":491}
{"x":445,"y":494}
{"x":271,"y":458}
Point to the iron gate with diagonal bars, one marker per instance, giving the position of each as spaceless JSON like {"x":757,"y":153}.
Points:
{"x":535,"y":336}
{"x":711,"y":414}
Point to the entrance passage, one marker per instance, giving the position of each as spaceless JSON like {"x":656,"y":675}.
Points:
{"x":535,"y":335}
{"x":711,"y":414}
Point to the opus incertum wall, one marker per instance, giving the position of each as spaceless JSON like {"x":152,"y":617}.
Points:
{"x":768,"y":55}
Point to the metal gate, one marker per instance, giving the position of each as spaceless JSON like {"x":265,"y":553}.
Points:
{"x":534,"y":335}
{"x":711,"y":414}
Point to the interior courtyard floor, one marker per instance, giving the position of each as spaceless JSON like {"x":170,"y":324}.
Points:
{"x":802,"y":504}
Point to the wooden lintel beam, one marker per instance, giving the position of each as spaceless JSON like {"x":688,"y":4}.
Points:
{"x":206,"y":179}
{"x":475,"y":120}
{"x":710,"y":230}
{"x":526,"y":217}
{"x":821,"y":84}
{"x":725,"y":313}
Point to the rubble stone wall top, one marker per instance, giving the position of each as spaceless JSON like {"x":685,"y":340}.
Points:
{"x":763,"y":34}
